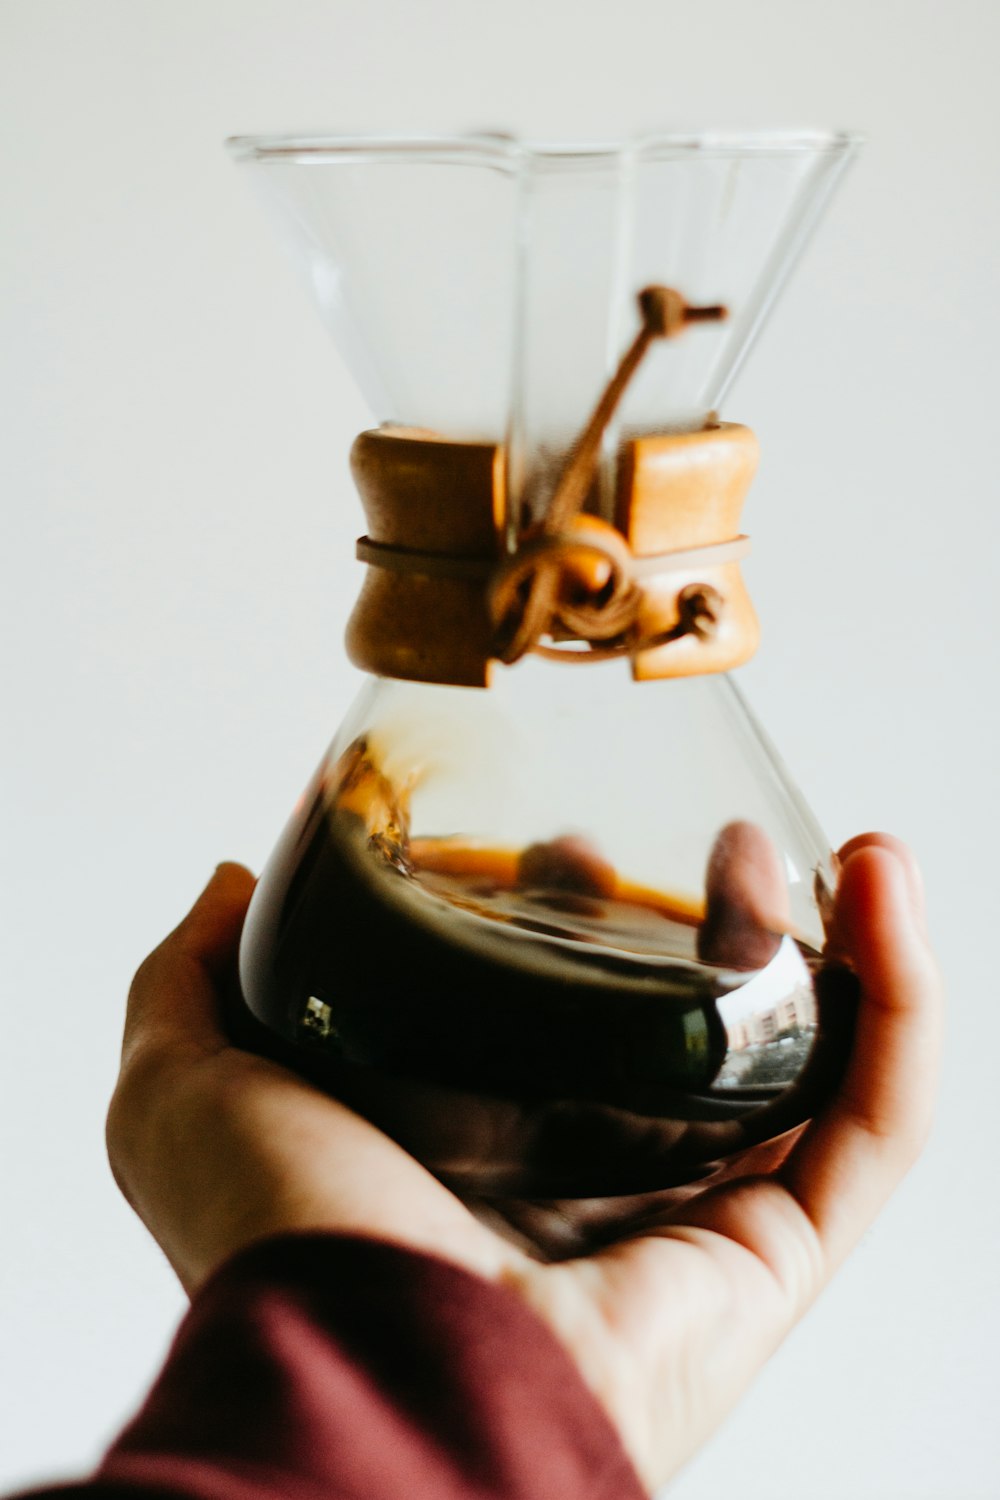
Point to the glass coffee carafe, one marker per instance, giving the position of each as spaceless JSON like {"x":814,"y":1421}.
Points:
{"x":551,"y":912}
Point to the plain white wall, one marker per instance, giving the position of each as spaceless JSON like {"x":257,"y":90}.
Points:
{"x":176,"y":573}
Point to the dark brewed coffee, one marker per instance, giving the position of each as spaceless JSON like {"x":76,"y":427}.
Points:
{"x":525,"y":1022}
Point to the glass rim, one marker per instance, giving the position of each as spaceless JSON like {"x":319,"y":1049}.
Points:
{"x":319,"y":148}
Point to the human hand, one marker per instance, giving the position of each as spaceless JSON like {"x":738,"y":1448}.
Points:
{"x":216,"y":1148}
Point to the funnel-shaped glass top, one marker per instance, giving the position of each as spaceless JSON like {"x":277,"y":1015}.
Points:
{"x":485,"y":288}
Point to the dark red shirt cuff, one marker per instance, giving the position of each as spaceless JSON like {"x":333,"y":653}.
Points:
{"x":335,"y":1366}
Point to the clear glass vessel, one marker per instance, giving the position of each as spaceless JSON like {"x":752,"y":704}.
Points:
{"x":561,"y":935}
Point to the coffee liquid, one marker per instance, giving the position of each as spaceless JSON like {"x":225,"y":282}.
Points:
{"x":524,"y":1022}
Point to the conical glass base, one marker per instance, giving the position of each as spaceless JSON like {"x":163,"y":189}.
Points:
{"x":558,"y":942}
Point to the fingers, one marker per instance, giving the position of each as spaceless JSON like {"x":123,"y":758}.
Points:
{"x":903,"y":853}
{"x":858,"y":1149}
{"x":174,"y":997}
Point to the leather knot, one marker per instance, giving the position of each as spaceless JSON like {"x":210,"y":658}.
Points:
{"x":532,"y":592}
{"x":576,"y":582}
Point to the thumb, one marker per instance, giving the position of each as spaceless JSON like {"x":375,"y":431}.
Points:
{"x":174,"y":996}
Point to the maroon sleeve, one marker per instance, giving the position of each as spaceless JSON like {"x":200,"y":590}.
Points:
{"x":328,"y":1367}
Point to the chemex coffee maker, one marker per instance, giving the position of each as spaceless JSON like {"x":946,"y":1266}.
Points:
{"x":551,"y":912}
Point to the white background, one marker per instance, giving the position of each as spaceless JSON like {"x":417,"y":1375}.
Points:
{"x":176,"y":572}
